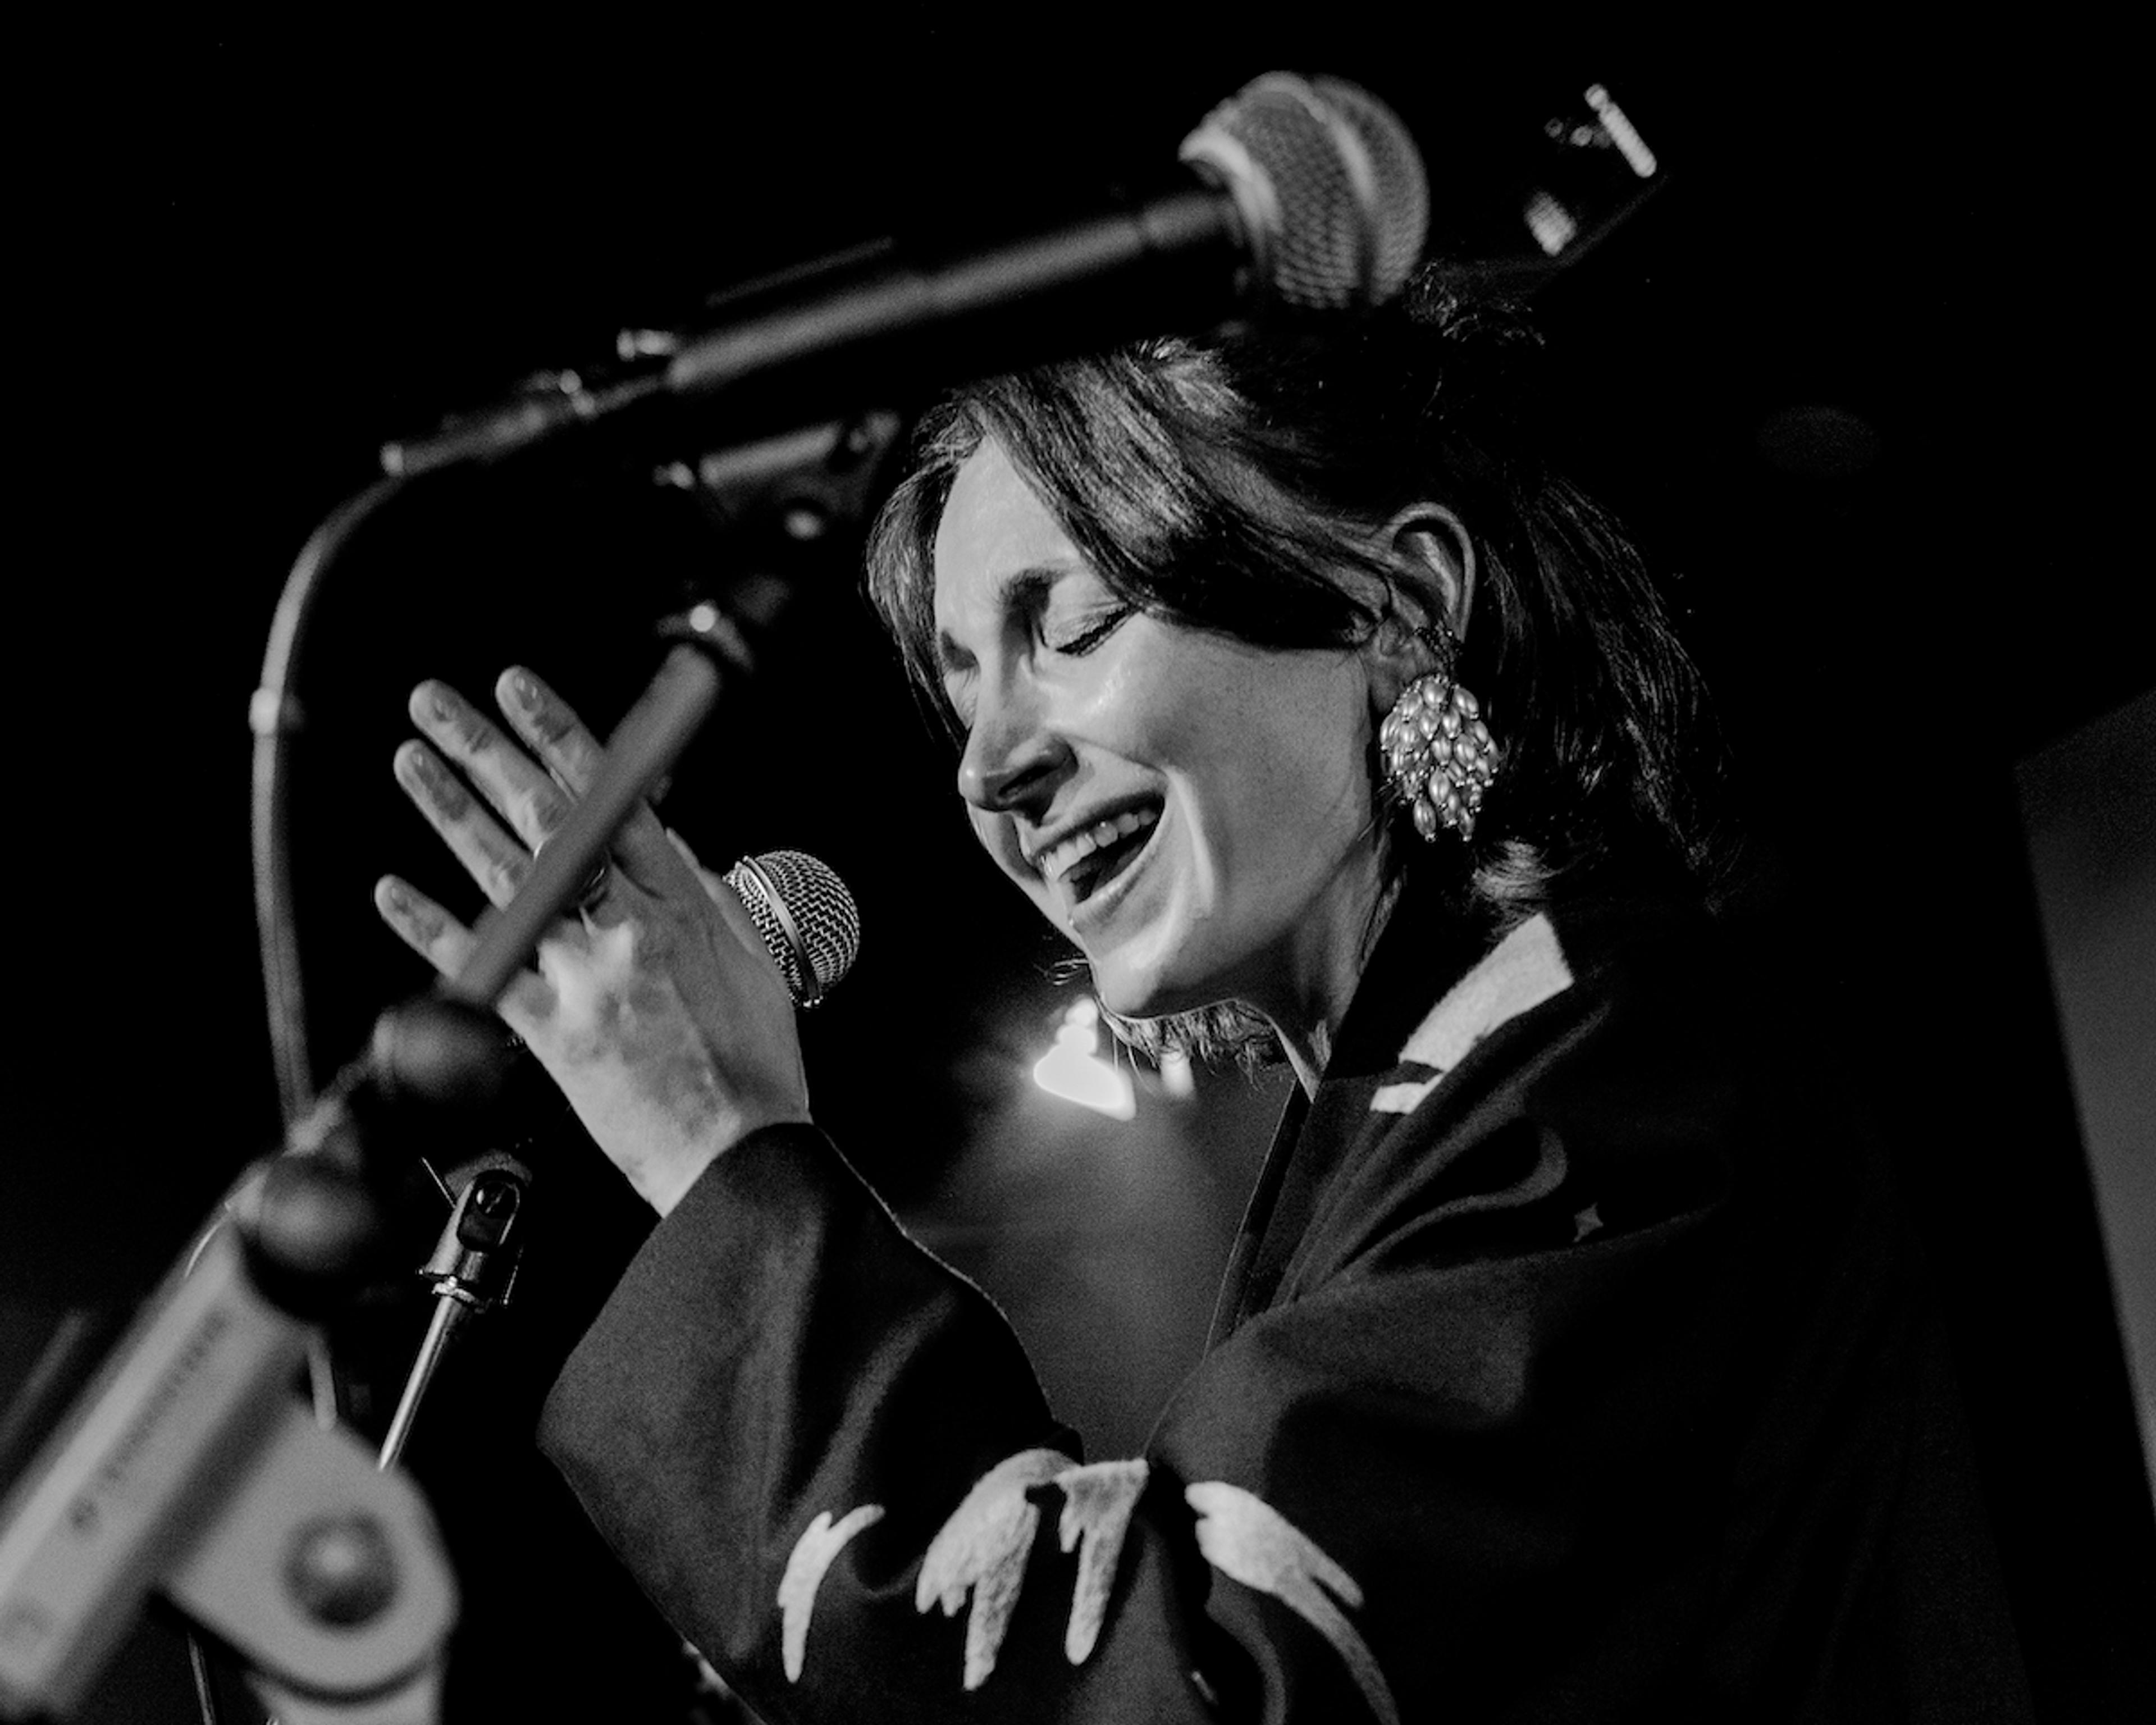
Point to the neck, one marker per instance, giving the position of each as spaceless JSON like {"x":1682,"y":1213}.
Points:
{"x":1307,"y":1016}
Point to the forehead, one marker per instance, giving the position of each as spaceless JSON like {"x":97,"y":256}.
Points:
{"x":994,"y":528}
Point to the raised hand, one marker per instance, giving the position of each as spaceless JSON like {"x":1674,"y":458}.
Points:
{"x":657,"y":1009}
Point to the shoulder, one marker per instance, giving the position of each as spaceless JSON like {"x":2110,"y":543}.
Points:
{"x":1601,"y":1070}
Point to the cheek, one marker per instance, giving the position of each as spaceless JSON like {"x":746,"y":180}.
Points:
{"x":990,"y":832}
{"x":995,"y":835}
{"x":1295,"y":820}
{"x":1298,"y":777}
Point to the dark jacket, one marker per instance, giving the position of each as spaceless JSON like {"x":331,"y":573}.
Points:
{"x":1574,"y":1364}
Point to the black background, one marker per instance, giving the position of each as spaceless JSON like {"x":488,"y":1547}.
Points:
{"x":249,"y":261}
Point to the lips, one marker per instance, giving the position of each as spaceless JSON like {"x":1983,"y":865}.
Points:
{"x":1087,"y":858}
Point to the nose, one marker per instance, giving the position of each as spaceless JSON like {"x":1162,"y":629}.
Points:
{"x":1013,"y":759}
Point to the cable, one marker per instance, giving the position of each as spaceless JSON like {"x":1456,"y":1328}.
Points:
{"x":273,"y":715}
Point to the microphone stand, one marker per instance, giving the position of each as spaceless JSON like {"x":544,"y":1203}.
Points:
{"x":308,"y":1221}
{"x":824,"y":476}
{"x":309,"y":1218}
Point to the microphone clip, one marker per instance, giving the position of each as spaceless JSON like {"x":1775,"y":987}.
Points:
{"x":476,"y":1260}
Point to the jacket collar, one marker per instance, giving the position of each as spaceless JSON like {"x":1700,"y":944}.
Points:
{"x":1425,"y":947}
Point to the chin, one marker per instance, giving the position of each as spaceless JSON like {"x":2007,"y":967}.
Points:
{"x":1153,"y":990}
{"x":1124,"y":992}
{"x":1128,"y":1002}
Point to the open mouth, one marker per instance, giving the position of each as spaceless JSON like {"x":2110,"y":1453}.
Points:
{"x":1093,"y":859}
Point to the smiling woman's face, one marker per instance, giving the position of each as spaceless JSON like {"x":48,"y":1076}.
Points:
{"x":1193,"y":812}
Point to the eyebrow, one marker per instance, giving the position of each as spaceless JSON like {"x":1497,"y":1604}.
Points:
{"x":1020,"y":589}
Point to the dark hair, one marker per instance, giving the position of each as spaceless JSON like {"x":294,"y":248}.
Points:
{"x":1228,"y":484}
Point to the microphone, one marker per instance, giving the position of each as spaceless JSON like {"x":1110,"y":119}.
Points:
{"x":1304,"y":194}
{"x":808,"y":921}
{"x":449,"y":1051}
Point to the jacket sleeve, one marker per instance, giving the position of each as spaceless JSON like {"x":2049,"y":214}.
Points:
{"x":825,"y":1456}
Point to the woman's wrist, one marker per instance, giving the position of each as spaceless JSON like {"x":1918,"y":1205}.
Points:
{"x":663,"y":1181}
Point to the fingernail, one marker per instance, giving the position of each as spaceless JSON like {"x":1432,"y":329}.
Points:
{"x":394,"y":892}
{"x":523,"y":690}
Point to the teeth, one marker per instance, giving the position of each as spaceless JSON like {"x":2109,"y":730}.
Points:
{"x":1060,"y":859}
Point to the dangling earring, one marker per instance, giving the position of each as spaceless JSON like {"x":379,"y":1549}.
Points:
{"x":1437,"y":755}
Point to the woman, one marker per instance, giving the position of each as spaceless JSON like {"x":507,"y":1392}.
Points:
{"x":1569,"y":1363}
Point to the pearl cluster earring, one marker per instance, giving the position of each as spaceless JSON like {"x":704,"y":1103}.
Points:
{"x":1438,"y":756}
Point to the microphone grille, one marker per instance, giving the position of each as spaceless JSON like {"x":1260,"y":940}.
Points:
{"x":808,"y":921}
{"x":1329,"y":184}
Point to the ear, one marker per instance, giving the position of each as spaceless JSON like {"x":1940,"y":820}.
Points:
{"x":1432,"y":563}
{"x":1435,"y":560}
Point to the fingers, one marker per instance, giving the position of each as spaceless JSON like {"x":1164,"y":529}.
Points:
{"x":533,"y":798}
{"x":489,"y":854}
{"x":423,"y":925}
{"x":551,"y":726}
{"x":519,"y":789}
{"x":446,"y":943}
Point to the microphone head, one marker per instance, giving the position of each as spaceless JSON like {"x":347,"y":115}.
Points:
{"x":1333,"y":199}
{"x":808,"y":921}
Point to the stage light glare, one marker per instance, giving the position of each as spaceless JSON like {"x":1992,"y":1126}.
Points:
{"x":1626,"y":135}
{"x":1074,"y":1070}
{"x":1551,"y":223}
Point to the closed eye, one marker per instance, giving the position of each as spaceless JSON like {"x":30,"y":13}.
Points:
{"x":1089,"y":636}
